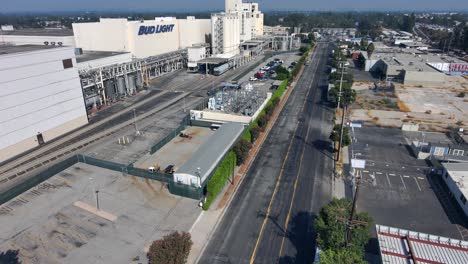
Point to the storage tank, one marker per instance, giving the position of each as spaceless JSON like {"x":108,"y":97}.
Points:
{"x":110,"y":89}
{"x":139,"y":80}
{"x":121,"y":85}
{"x":284,"y":44}
{"x":131,"y":84}
{"x":93,"y":100}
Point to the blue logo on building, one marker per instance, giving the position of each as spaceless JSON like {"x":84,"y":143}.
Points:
{"x":147,"y":30}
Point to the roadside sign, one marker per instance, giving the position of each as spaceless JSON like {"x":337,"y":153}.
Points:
{"x":356,"y":124}
{"x":358,"y":163}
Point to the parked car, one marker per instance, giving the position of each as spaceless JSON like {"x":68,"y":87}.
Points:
{"x":253,"y":79}
{"x":169,"y":169}
{"x":293,"y":63}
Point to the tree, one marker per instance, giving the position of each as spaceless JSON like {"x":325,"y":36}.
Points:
{"x":364,"y":44}
{"x":311,"y":37}
{"x":171,"y":249}
{"x":263,"y":121}
{"x":303,"y":49}
{"x":335,"y":135}
{"x":241,"y":149}
{"x":343,"y":256}
{"x":255,"y":132}
{"x":331,"y":231}
{"x":370,"y":50}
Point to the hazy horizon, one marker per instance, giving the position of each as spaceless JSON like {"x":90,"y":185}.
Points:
{"x":43,"y":6}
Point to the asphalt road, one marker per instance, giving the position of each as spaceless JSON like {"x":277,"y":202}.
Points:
{"x":270,"y":220}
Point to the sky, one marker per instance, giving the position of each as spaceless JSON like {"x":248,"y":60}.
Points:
{"x":210,"y":5}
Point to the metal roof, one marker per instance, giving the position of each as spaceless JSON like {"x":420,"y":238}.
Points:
{"x":95,"y":55}
{"x":459,"y":174}
{"x":210,"y":153}
{"x":56,"y":32}
{"x":11,"y":49}
{"x":407,"y":247}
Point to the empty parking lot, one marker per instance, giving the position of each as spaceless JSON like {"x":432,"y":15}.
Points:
{"x":399,"y":190}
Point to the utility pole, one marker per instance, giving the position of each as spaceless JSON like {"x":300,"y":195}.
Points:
{"x":343,"y":110}
{"x":351,"y":222}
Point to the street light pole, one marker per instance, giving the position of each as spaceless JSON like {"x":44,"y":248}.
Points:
{"x":135,"y":122}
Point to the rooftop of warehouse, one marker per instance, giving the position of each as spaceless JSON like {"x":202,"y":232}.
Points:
{"x":57,"y":32}
{"x":212,"y":151}
{"x":406,"y":247}
{"x":459,"y":174}
{"x":89,"y":55}
{"x":12,"y":49}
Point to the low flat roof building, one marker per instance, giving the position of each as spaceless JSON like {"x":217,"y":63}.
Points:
{"x":204,"y":161}
{"x":407,"y":247}
{"x":455,"y":176}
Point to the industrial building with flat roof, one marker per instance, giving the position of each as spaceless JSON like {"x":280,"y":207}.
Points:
{"x":411,"y":66}
{"x":204,"y":161}
{"x":41,"y":96}
{"x":456,"y":177}
{"x":141,"y":38}
{"x":36,"y":36}
{"x":407,"y":247}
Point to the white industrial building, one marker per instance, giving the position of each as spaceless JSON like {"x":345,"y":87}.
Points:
{"x":239,"y":23}
{"x":455,"y":176}
{"x":40,"y":96}
{"x":201,"y":166}
{"x":141,"y":38}
{"x":52,"y":37}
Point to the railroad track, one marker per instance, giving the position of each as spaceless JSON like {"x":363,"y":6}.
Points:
{"x":56,"y":150}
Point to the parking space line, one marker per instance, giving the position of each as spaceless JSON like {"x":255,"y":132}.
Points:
{"x":402,"y":181}
{"x":388,"y":179}
{"x":365,"y":171}
{"x":378,"y":172}
{"x":416,"y":180}
{"x":392,"y":174}
{"x":421,"y":178}
{"x":406,"y":176}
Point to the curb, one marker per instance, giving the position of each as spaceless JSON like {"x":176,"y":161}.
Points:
{"x":284,"y":99}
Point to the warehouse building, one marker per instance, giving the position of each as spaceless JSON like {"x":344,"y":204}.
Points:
{"x":141,"y":38}
{"x":455,"y":176}
{"x":41,"y":96}
{"x":52,"y":37}
{"x":204,"y":161}
{"x":403,"y":246}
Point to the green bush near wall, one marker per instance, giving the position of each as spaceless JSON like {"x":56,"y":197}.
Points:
{"x":219,"y":178}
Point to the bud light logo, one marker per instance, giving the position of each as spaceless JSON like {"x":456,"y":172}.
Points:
{"x":148,"y":30}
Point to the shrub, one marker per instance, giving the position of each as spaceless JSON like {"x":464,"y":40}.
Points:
{"x":171,"y":249}
{"x":255,"y":132}
{"x":219,"y":178}
{"x":241,"y":149}
{"x":461,"y":94}
{"x":263,"y":120}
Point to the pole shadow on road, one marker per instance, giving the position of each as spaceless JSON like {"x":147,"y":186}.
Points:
{"x":301,"y":235}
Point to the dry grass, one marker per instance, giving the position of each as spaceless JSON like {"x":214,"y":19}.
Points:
{"x":403,"y":107}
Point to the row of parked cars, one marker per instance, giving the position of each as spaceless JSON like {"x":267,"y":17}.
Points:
{"x":267,"y":71}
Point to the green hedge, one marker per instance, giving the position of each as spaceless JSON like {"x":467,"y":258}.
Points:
{"x":219,"y":178}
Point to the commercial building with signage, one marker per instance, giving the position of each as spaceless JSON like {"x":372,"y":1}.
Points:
{"x":141,"y":38}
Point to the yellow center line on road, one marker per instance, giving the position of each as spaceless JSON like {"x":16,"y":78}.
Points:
{"x":257,"y":243}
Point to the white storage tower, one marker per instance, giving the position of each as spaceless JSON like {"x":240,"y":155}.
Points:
{"x":40,"y":96}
